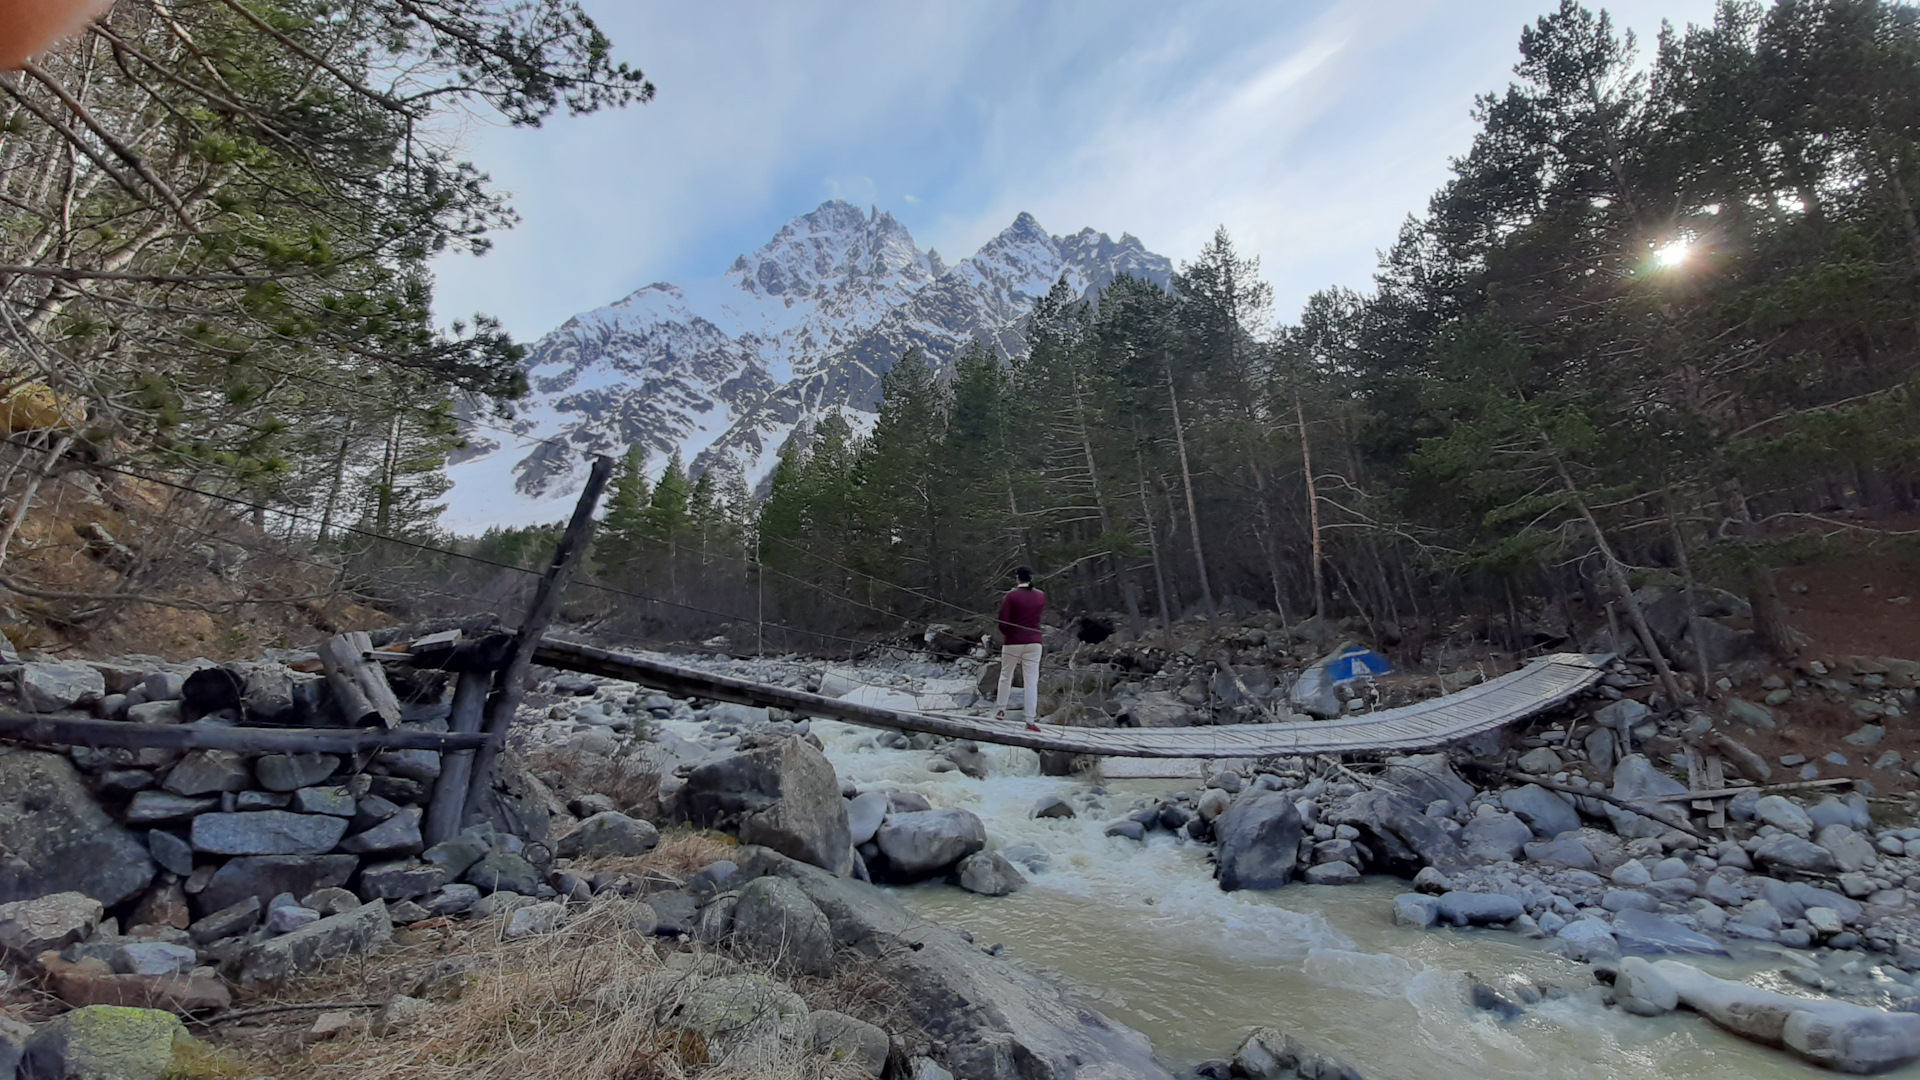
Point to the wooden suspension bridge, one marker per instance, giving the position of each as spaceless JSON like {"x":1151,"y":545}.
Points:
{"x":1541,"y":685}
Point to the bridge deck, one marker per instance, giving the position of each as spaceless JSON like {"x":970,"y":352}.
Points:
{"x":1425,"y":725}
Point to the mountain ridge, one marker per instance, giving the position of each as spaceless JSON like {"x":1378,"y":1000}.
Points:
{"x":726,"y":371}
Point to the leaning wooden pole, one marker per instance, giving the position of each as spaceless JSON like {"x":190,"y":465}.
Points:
{"x":513,"y":679}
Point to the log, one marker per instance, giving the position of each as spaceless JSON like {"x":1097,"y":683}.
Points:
{"x":359,"y":686}
{"x":59,"y":731}
{"x":446,"y":810}
{"x":546,"y":599}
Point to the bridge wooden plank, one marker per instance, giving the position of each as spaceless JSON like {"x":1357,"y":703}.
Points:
{"x":1543,"y":684}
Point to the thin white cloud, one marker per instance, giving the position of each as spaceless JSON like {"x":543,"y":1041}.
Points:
{"x":1310,"y":131}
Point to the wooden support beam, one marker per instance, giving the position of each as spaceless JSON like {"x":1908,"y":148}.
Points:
{"x":513,"y":680}
{"x":59,"y":731}
{"x":359,"y":686}
{"x":448,"y":806}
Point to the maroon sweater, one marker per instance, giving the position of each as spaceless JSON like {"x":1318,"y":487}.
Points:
{"x":1020,"y":616}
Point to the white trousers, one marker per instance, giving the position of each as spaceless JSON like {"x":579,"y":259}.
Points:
{"x":1028,"y":657}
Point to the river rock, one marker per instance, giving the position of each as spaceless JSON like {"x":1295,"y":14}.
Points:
{"x":31,"y":927}
{"x":1213,"y":802}
{"x":456,"y":855}
{"x":1415,"y":910}
{"x":267,"y":832}
{"x":1636,"y":780}
{"x":1541,"y":761}
{"x":1622,"y":716}
{"x":1643,"y":932}
{"x":1128,"y":828}
{"x":1496,"y":837}
{"x":103,"y":1042}
{"x":1834,"y":1034}
{"x":1478,"y":909}
{"x":332,"y":801}
{"x":307,"y":948}
{"x":609,"y":833}
{"x":50,"y":687}
{"x":1332,"y":873}
{"x":263,"y":877}
{"x":928,"y":843}
{"x":1564,"y":851}
{"x":1641,"y":990}
{"x":155,"y":958}
{"x":1258,"y":842}
{"x":785,"y":797}
{"x":864,"y":814}
{"x":989,"y":874}
{"x":1588,"y":939}
{"x":776,"y":922}
{"x":1395,"y":826}
{"x":995,"y":1021}
{"x":1784,"y":814}
{"x":1545,"y":812}
{"x":843,"y":1038}
{"x":1851,"y":851}
{"x":1786,"y":851}
{"x":55,"y":838}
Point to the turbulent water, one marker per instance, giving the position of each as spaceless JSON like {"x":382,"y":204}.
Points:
{"x":1142,"y":931}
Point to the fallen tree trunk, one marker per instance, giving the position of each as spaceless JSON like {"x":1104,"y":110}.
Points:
{"x":58,"y":731}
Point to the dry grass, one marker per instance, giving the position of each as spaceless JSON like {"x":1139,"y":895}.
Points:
{"x":592,"y":1001}
{"x":632,"y":781}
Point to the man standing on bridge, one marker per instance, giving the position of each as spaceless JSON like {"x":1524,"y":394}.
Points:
{"x":1020,"y":615}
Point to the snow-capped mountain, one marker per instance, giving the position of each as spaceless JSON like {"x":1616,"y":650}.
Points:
{"x":727,"y":373}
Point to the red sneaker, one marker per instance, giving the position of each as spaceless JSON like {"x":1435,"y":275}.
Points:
{"x":1031,"y":726}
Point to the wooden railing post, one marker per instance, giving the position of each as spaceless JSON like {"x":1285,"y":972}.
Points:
{"x":513,"y":680}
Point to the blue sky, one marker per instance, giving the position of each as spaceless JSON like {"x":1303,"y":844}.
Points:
{"x":1310,"y":130}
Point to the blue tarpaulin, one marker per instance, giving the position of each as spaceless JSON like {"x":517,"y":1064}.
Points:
{"x":1356,"y":663}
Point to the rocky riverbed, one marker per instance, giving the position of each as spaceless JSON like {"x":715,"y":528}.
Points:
{"x":1522,"y":904}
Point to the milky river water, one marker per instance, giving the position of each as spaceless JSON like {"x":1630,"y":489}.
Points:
{"x":1142,"y":932}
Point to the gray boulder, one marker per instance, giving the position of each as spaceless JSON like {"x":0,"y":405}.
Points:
{"x":172,"y":853}
{"x":1833,"y":1034}
{"x":1850,"y":850}
{"x":927,"y":843}
{"x":1636,"y":780}
{"x":1258,"y":843}
{"x":1789,"y":852}
{"x":1641,"y":990}
{"x":103,"y":1042}
{"x":267,"y":832}
{"x":164,"y":807}
{"x":503,"y":873}
{"x":774,"y":921}
{"x":1496,"y":837}
{"x":785,"y":797}
{"x":1395,"y":826}
{"x":456,"y":855}
{"x":400,"y":879}
{"x":1588,"y":939}
{"x":333,"y":801}
{"x":54,"y":838}
{"x":1478,"y":909}
{"x":1643,"y":932}
{"x":1546,"y":813}
{"x":1415,"y":910}
{"x":864,"y":814}
{"x":398,"y":835}
{"x":50,"y":687}
{"x":310,"y":946}
{"x":1784,"y":814}
{"x":1564,"y":851}
{"x":31,"y":927}
{"x":610,"y":833}
{"x":989,"y":874}
{"x":263,"y":877}
{"x":844,"y":1038}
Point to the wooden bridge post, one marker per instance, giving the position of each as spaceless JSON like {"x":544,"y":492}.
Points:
{"x":513,"y":680}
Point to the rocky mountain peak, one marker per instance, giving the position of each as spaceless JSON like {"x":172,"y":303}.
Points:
{"x":725,"y":371}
